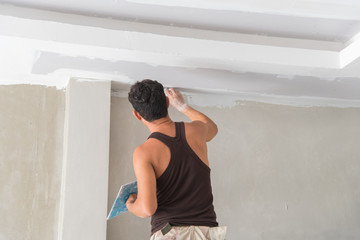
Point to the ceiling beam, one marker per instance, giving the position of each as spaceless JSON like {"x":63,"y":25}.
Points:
{"x":160,"y":45}
{"x":335,"y":9}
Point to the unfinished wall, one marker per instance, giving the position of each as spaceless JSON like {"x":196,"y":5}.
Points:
{"x":31,"y":147}
{"x":278,"y":172}
{"x":125,"y":134}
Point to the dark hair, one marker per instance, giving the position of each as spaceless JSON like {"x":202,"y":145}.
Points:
{"x":148,"y":99}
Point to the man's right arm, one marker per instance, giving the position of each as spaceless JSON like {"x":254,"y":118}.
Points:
{"x":177,"y":101}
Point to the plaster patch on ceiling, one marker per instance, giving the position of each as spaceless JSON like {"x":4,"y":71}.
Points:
{"x":229,"y":99}
{"x":290,"y":77}
{"x":343,"y":88}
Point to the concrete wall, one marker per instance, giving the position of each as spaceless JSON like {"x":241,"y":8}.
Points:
{"x":31,"y":148}
{"x":278,"y":172}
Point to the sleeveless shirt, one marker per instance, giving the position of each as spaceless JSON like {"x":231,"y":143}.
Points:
{"x":184,"y":192}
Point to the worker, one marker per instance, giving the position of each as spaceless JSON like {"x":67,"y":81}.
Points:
{"x":172,"y":167}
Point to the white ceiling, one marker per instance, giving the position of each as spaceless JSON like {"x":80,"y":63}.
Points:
{"x":285,"y":48}
{"x":251,"y":17}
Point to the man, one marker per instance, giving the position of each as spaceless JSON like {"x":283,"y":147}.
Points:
{"x":172,"y":167}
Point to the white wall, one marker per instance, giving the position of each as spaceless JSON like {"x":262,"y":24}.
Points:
{"x":83,"y":208}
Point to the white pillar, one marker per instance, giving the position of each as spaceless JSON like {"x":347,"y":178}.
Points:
{"x":84,"y":190}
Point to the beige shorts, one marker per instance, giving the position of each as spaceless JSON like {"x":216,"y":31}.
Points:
{"x":191,"y":233}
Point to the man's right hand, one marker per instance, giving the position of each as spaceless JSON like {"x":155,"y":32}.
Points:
{"x":176,"y":99}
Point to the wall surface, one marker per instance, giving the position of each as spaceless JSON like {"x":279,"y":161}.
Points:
{"x":278,"y":172}
{"x":85,"y":169}
{"x":31,"y":148}
{"x":126,"y":133}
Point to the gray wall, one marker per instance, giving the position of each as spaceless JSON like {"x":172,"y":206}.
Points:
{"x":278,"y":172}
{"x":31,"y":141}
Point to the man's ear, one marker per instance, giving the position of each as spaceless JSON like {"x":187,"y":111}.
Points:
{"x":137,"y":115}
{"x":167,"y":102}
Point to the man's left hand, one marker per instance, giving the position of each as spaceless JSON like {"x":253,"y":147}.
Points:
{"x":132,"y":198}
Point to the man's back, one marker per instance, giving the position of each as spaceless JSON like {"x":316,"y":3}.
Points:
{"x":159,"y":153}
{"x":184,"y":193}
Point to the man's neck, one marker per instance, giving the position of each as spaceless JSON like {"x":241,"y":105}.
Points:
{"x":159,"y":124}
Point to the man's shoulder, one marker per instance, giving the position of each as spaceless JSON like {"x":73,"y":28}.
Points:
{"x":140,"y":151}
{"x":197,"y":127}
{"x":146,"y":148}
{"x":195,"y":124}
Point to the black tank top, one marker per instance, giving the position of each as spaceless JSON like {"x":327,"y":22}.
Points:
{"x":184,"y":193}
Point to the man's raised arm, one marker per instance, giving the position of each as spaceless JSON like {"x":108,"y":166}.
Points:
{"x":178,"y":102}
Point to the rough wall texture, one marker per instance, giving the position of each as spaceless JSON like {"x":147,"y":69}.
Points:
{"x":278,"y":172}
{"x":125,"y":134}
{"x":31,"y":142}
